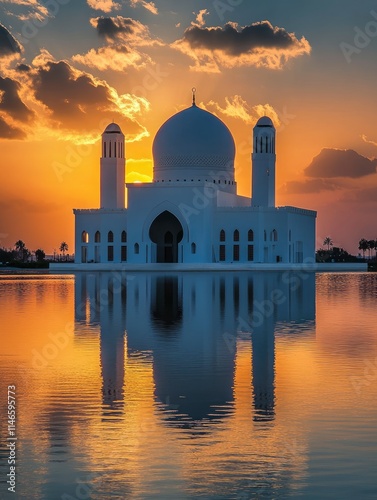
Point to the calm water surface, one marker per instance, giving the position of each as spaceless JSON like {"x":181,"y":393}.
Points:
{"x":210,"y":386}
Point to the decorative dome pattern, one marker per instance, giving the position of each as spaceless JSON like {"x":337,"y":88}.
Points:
{"x":194,"y":140}
{"x":220,"y":161}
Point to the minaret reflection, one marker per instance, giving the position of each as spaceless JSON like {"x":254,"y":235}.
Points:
{"x":262,"y":316}
{"x":100,"y":298}
{"x":275,"y":300}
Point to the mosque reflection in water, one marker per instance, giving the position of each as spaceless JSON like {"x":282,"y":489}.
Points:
{"x":190,"y":324}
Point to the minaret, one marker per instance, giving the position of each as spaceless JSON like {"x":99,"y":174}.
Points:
{"x":263,"y":161}
{"x":113,"y":168}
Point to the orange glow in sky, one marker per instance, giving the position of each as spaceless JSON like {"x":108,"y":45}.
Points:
{"x":136,"y":63}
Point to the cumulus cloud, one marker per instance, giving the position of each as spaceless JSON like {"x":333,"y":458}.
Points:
{"x":199,"y":19}
{"x":10,"y":101}
{"x":147,"y":5}
{"x":23,"y":68}
{"x":259,"y":44}
{"x":53,"y":98}
{"x":237,"y":107}
{"x":8,"y":131}
{"x":309,"y":186}
{"x":104,"y":5}
{"x":78,"y":102}
{"x":116,"y":58}
{"x":31,"y":9}
{"x":124,"y":37}
{"x":14,"y":114}
{"x":340,"y":163}
{"x":123,"y":29}
{"x":8,"y":44}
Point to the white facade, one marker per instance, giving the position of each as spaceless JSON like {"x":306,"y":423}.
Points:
{"x":191,"y":212}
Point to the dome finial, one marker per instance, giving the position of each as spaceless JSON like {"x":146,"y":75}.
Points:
{"x":194,"y":96}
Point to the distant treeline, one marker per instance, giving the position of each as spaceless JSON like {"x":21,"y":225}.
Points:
{"x":21,"y":256}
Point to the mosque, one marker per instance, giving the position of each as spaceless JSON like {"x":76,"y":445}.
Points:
{"x":191,"y":213}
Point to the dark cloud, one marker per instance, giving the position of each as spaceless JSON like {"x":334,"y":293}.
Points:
{"x":309,"y":186}
{"x":10,"y":101}
{"x":112,"y":27}
{"x":23,"y":68}
{"x":79,"y":102}
{"x":124,"y":37}
{"x":236,"y":42}
{"x":340,"y":163}
{"x":69,"y":95}
{"x":8,"y":44}
{"x":9,"y":132}
{"x":260,"y":44}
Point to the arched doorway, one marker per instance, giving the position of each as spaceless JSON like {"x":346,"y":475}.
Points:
{"x":166,"y":232}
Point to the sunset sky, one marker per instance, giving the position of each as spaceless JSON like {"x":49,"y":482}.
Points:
{"x":69,"y":67}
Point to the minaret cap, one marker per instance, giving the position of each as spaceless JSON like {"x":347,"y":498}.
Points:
{"x":113,"y":128}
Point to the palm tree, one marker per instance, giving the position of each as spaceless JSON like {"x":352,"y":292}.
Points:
{"x":363,"y":246}
{"x":63,"y":247}
{"x":19,"y":245}
{"x":40,"y":255}
{"x":21,"y":249}
{"x":371,"y":246}
{"x":328,"y":241}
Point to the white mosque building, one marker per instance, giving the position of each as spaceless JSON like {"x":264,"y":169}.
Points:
{"x":191,"y":213}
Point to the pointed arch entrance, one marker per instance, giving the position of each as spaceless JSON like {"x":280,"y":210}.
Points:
{"x":166,"y":232}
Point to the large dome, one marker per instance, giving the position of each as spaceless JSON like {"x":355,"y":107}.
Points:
{"x":193,"y":143}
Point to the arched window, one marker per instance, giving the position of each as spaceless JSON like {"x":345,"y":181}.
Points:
{"x":274,"y":235}
{"x":124,"y":237}
{"x":222,"y":235}
{"x":110,"y":237}
{"x":236,"y":235}
{"x":193,"y":248}
{"x":110,"y":149}
{"x":104,"y":149}
{"x":97,"y":237}
{"x":250,"y":235}
{"x":84,"y":237}
{"x":137,"y":248}
{"x":115,"y":149}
